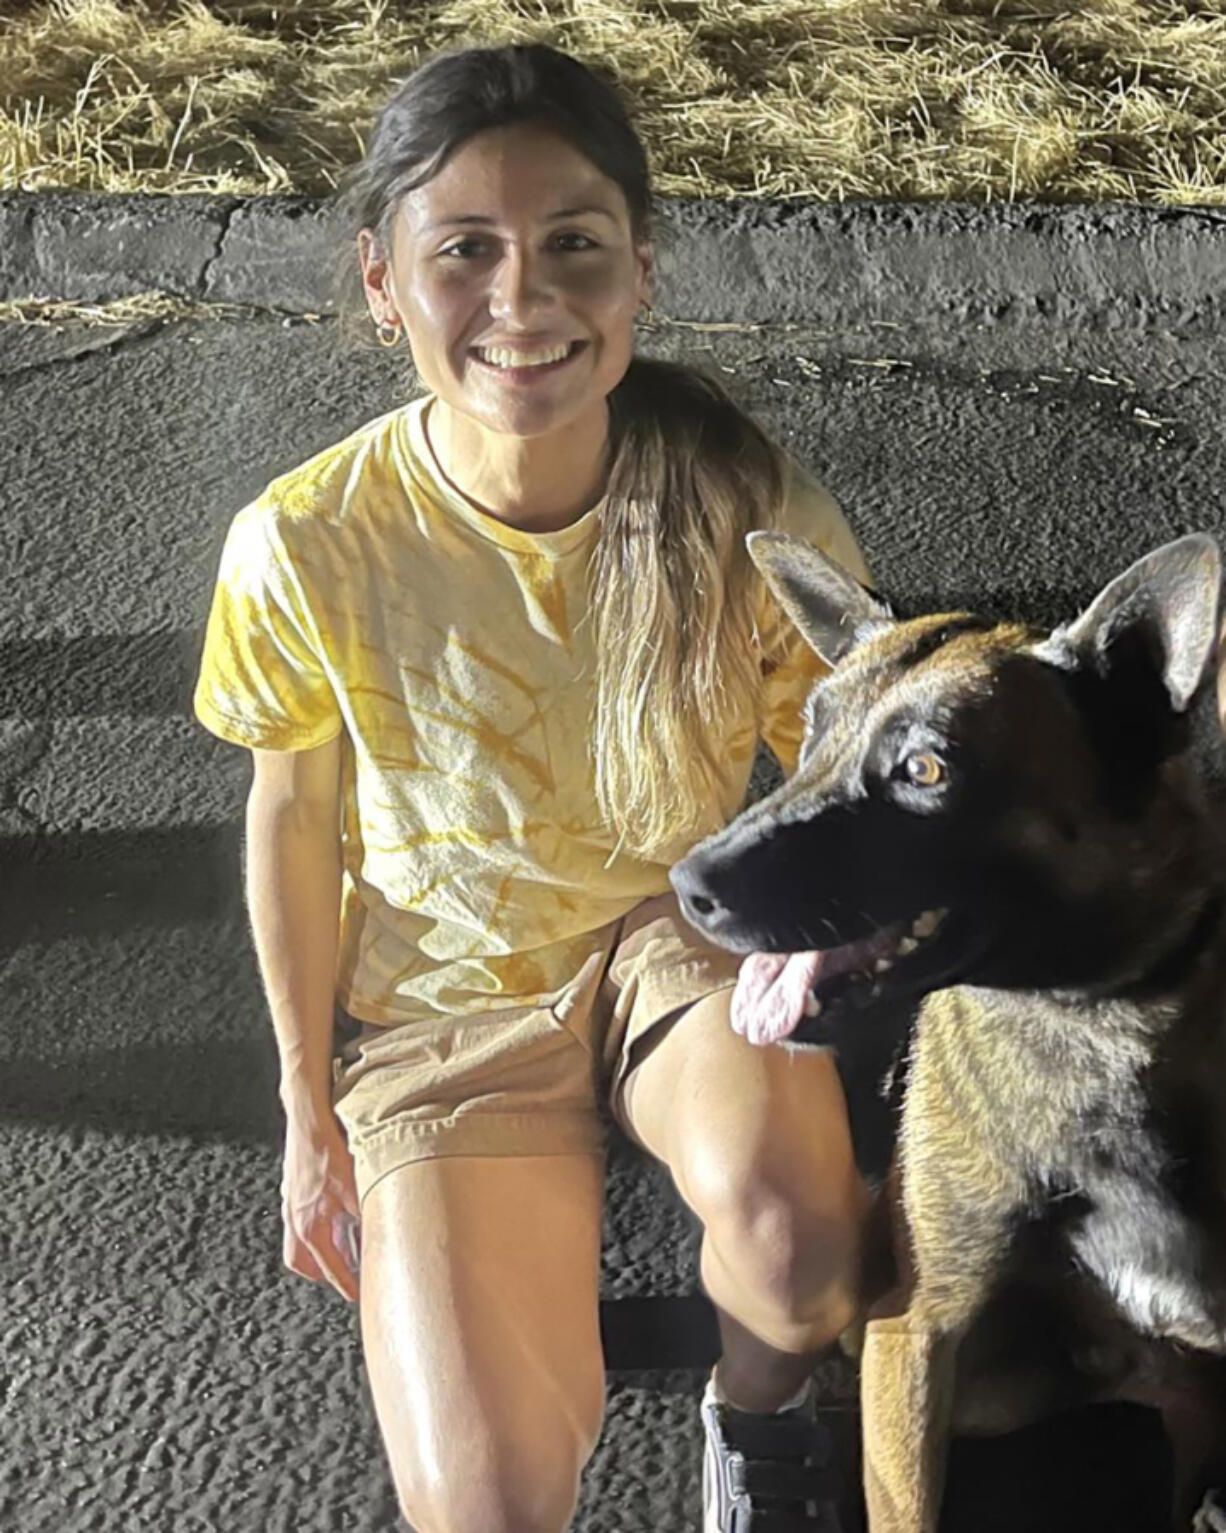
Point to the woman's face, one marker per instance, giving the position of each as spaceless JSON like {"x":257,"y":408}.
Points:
{"x":516,"y":277}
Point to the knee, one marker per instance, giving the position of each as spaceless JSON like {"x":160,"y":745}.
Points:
{"x":511,"y":1496}
{"x":788,"y":1239}
{"x":514,"y":1481}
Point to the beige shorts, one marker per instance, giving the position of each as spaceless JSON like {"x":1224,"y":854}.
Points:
{"x":538,"y":1080}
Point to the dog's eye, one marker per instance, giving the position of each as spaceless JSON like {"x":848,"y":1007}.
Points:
{"x":923,"y":770}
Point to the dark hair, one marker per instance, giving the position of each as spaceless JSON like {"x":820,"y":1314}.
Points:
{"x":674,"y":602}
{"x":447,"y":101}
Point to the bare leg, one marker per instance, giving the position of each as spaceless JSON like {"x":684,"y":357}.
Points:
{"x":755,"y":1375}
{"x":758,"y":1144}
{"x":479,"y":1313}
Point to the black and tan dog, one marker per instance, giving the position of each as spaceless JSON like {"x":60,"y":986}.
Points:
{"x":1008,"y":824}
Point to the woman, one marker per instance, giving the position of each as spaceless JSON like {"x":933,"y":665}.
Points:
{"x":501,"y":658}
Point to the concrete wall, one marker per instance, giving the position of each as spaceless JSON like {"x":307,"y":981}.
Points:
{"x":1010,"y":403}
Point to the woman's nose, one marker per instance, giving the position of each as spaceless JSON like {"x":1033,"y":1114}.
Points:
{"x":519,"y":287}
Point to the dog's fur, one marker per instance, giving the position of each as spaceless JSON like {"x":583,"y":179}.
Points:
{"x":1061,"y":1158}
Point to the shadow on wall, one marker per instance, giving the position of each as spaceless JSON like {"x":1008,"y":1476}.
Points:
{"x":100,"y":883}
{"x":201,"y":1092}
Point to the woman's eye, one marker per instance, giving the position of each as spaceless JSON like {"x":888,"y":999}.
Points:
{"x":923,"y":770}
{"x":567,"y":242}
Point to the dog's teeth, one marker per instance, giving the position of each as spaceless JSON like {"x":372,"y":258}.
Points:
{"x":881,"y":966}
{"x":926,"y":924}
{"x":813,"y":1007}
{"x":907,"y":945}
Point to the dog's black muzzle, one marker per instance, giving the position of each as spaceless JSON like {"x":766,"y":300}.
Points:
{"x":834,"y":876}
{"x":724,"y":888}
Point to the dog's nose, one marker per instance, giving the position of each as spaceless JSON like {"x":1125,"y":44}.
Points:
{"x":698,"y":900}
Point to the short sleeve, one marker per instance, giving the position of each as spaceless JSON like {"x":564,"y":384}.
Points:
{"x":262,"y":681}
{"x":791,"y":666}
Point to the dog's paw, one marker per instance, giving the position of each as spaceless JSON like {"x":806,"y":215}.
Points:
{"x":1211,"y":1514}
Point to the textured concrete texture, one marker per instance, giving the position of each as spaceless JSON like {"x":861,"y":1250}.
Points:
{"x":1117,"y":267}
{"x":161,"y":1370}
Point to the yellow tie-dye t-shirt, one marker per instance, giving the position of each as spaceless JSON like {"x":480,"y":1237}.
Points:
{"x":361,"y":595}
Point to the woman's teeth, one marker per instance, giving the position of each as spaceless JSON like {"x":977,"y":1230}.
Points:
{"x":505,"y":356}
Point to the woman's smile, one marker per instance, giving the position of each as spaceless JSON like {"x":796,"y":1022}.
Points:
{"x":522,"y":364}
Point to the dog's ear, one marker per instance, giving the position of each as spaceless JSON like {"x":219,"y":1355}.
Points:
{"x":1162,"y":611}
{"x":832,"y":610}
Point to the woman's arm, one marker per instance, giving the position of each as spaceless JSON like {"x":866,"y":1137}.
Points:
{"x":293,"y":879}
{"x":294,"y":896}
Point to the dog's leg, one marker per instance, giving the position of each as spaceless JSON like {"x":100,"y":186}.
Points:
{"x":951,"y":1235}
{"x":906,"y":1391}
{"x":906,"y":1395}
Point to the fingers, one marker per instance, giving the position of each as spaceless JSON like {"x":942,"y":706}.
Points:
{"x":347,"y":1190}
{"x":338,"y":1256}
{"x":320,"y":1210}
{"x":346,"y":1242}
{"x":328,"y":1252}
{"x":297,"y":1257}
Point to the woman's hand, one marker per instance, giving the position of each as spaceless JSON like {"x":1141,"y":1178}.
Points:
{"x":319,"y":1202}
{"x":294,"y":897}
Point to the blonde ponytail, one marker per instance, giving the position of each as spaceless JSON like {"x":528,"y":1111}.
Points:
{"x":673,"y":599}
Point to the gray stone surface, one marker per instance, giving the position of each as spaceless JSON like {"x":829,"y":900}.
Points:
{"x":160,"y":1368}
{"x":66,"y":246}
{"x":846,"y":264}
{"x":1108,"y":266}
{"x":274,"y":254}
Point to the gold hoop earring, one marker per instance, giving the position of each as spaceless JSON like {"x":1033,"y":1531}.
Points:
{"x":646,"y":311}
{"x":388,"y":335}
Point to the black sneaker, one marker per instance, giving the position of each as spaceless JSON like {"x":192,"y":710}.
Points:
{"x":766,"y":1473}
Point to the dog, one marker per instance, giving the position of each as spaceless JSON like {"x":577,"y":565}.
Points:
{"x":1008,"y":828}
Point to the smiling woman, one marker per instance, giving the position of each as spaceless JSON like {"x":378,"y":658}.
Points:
{"x":501,"y":658}
{"x":516,"y":275}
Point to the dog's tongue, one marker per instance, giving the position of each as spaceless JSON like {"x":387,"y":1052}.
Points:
{"x":772,"y":988}
{"x":769,"y":999}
